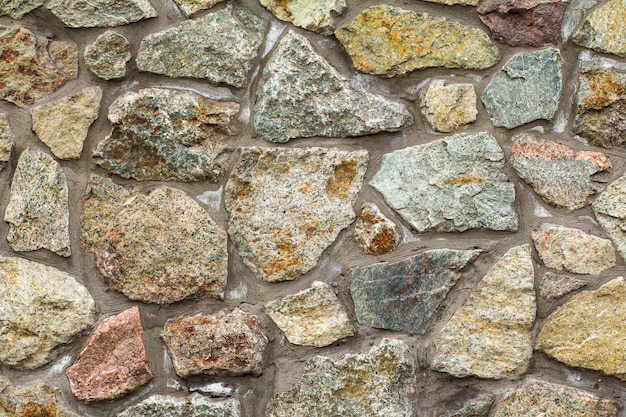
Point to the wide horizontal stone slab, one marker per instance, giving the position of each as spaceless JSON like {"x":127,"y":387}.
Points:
{"x":193,"y":406}
{"x":314,"y":15}
{"x":100,"y":13}
{"x":18,"y":8}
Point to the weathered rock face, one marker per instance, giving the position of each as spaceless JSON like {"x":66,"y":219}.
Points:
{"x":403,"y":296}
{"x":287,"y":205}
{"x":43,"y":308}
{"x":600,"y":31}
{"x":108,"y":55}
{"x":553,"y":286}
{"x":611,"y":214}
{"x":314,"y":15}
{"x":114,"y":361}
{"x":193,"y":406}
{"x":162,"y":248}
{"x":167,"y":135}
{"x":31,"y":400}
{"x":18,"y":8}
{"x":192,"y":7}
{"x":225,"y":343}
{"x":313,"y":317}
{"x":374,"y":232}
{"x":451,"y":184}
{"x":476,"y":408}
{"x":489,"y":336}
{"x":374,"y":384}
{"x":100,"y":13}
{"x":7,"y":141}
{"x":300,"y":85}
{"x":228,"y":39}
{"x":448,"y":107}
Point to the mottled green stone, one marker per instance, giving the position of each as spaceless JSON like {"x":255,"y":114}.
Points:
{"x":18,"y":8}
{"x":193,"y":406}
{"x":100,"y":13}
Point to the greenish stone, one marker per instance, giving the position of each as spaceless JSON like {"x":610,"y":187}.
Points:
{"x":100,"y":13}
{"x":18,"y":8}
{"x":108,"y":55}
{"x":192,"y":7}
{"x":7,"y":141}
{"x":193,"y":406}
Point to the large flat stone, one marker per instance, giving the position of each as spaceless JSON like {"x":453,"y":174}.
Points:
{"x":448,"y":107}
{"x":33,"y":400}
{"x":610,"y":212}
{"x":193,"y":406}
{"x":602,"y":29}
{"x":108,"y":55}
{"x":7,"y":141}
{"x":18,"y":8}
{"x":315,"y":15}
{"x":100,"y":13}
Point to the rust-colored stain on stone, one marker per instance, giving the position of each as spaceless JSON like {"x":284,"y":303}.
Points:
{"x":340,"y":184}
{"x":464,"y":179}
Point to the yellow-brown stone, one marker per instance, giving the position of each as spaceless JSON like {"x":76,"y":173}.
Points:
{"x":603,"y":30}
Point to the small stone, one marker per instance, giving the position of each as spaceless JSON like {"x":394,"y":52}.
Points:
{"x":451,"y":184}
{"x":476,"y":408}
{"x":448,"y":107}
{"x":528,"y":88}
{"x":490,"y":336}
{"x":374,"y":232}
{"x":553,"y":286}
{"x":108,"y":55}
{"x":168,"y":135}
{"x":33,"y":400}
{"x":193,"y":406}
{"x":38,"y":211}
{"x":404,"y":295}
{"x":298,"y":84}
{"x":221,"y":344}
{"x":313,"y":317}
{"x":610,"y":212}
{"x":114,"y":362}
{"x":601,"y":31}
{"x":389,"y":41}
{"x":7,"y":141}
{"x":287,"y":206}
{"x":43,"y":309}
{"x":220,"y":46}
{"x":100,"y":13}
{"x":378,"y":383}
{"x":315,"y":15}
{"x":561,"y":177}
{"x":192,"y":7}
{"x":18,"y":8}
{"x":164,"y":247}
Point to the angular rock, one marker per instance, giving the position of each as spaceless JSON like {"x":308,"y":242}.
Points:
{"x":373,"y":384}
{"x":448,"y":107}
{"x":602,"y":30}
{"x":192,"y":7}
{"x":575,"y":12}
{"x":193,"y":406}
{"x":7,"y":141}
{"x":553,"y":286}
{"x":31,"y":400}
{"x":63,"y":123}
{"x":528,"y":88}
{"x":490,"y":336}
{"x":562,"y":177}
{"x":476,"y":408}
{"x":301,"y":85}
{"x":230,"y":343}
{"x":168,"y":135}
{"x":451,"y":184}
{"x":287,"y":206}
{"x":108,"y":55}
{"x":610,"y":212}
{"x":374,"y":232}
{"x":313,"y":317}
{"x":316,"y":15}
{"x":43,"y":309}
{"x":404,"y":295}
{"x":100,"y":13}
{"x":389,"y":41}
{"x":162,"y":248}
{"x":220,"y":46}
{"x":18,"y":8}
{"x":38,"y":212}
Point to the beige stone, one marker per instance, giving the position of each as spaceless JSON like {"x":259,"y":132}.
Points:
{"x":192,"y":7}
{"x":448,"y":107}
{"x":315,"y":15}
{"x":374,"y":232}
{"x":603,"y":30}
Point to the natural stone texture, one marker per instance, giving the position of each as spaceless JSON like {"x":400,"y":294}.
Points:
{"x":490,"y":336}
{"x":162,"y":248}
{"x":315,"y":15}
{"x":602,"y":30}
{"x":587,"y":331}
{"x":38,"y":212}
{"x":50,"y":65}
{"x":225,"y":343}
{"x":220,"y":46}
{"x":313,"y":317}
{"x":301,"y":85}
{"x":448,"y":107}
{"x":191,"y":7}
{"x":18,"y":8}
{"x":43,"y":309}
{"x":63,"y":124}
{"x":389,"y":41}
{"x":34,"y":400}
{"x":476,"y":408}
{"x":168,"y":135}
{"x":402,"y":296}
{"x":100,"y":13}
{"x":114,"y":362}
{"x":7,"y":141}
{"x":108,"y":55}
{"x":553,"y":286}
{"x":374,"y":232}
{"x":193,"y":406}
{"x":451,"y":184}
{"x":561,"y":177}
{"x":527,"y":88}
{"x":287,"y":206}
{"x":374,"y":384}
{"x":610,"y":212}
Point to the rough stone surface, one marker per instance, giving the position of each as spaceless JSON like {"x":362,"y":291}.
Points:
{"x":561,"y":177}
{"x":168,"y":135}
{"x":108,"y":55}
{"x":448,"y":107}
{"x":402,"y":296}
{"x":451,"y":184}
{"x":64,"y":123}
{"x":313,"y":317}
{"x":38,"y":212}
{"x":33,"y":400}
{"x":300,"y":85}
{"x":490,"y":336}
{"x":220,"y":46}
{"x":43,"y":309}
{"x":374,"y":384}
{"x":100,"y":13}
{"x":553,"y":286}
{"x":374,"y":232}
{"x":7,"y":141}
{"x":602,"y":31}
{"x":162,"y":248}
{"x":192,"y":7}
{"x":527,"y":88}
{"x":610,"y":212}
{"x":230,"y":343}
{"x":114,"y":362}
{"x":287,"y":206}
{"x":18,"y":8}
{"x":476,"y":408}
{"x":193,"y":406}
{"x":316,"y":15}
{"x":389,"y":41}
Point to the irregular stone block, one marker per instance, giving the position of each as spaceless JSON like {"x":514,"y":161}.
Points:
{"x":192,"y":7}
{"x":602,"y":31}
{"x":479,"y":407}
{"x":18,"y":8}
{"x":611,"y":213}
{"x":193,"y":406}
{"x":448,"y":107}
{"x":315,"y":15}
{"x":7,"y":141}
{"x":108,"y":55}
{"x":404,"y":295}
{"x":451,"y":184}
{"x":553,"y":286}
{"x":287,"y":206}
{"x":31,"y":400}
{"x":374,"y":232}
{"x":100,"y":13}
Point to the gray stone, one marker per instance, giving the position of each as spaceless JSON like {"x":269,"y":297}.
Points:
{"x":193,"y":406}
{"x":374,"y":232}
{"x":192,"y":7}
{"x":451,"y":184}
{"x":478,"y":407}
{"x":315,"y":15}
{"x":298,"y":85}
{"x":18,"y":8}
{"x":7,"y":141}
{"x":287,"y":206}
{"x":553,"y":286}
{"x":448,"y":107}
{"x":100,"y":13}
{"x":108,"y":55}
{"x":220,"y":46}
{"x":33,"y":400}
{"x":610,"y":212}
{"x":528,"y":88}
{"x":402,"y":296}
{"x":602,"y":31}
{"x":43,"y":309}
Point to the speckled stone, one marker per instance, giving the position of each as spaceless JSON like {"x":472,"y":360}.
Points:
{"x":193,"y":406}
{"x":108,"y":55}
{"x":374,"y":232}
{"x":192,"y":7}
{"x":478,"y":407}
{"x":602,"y":29}
{"x":33,"y":400}
{"x":18,"y":8}
{"x":448,"y":107}
{"x":315,"y":15}
{"x":100,"y":13}
{"x":610,"y":212}
{"x":553,"y":286}
{"x":7,"y":141}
